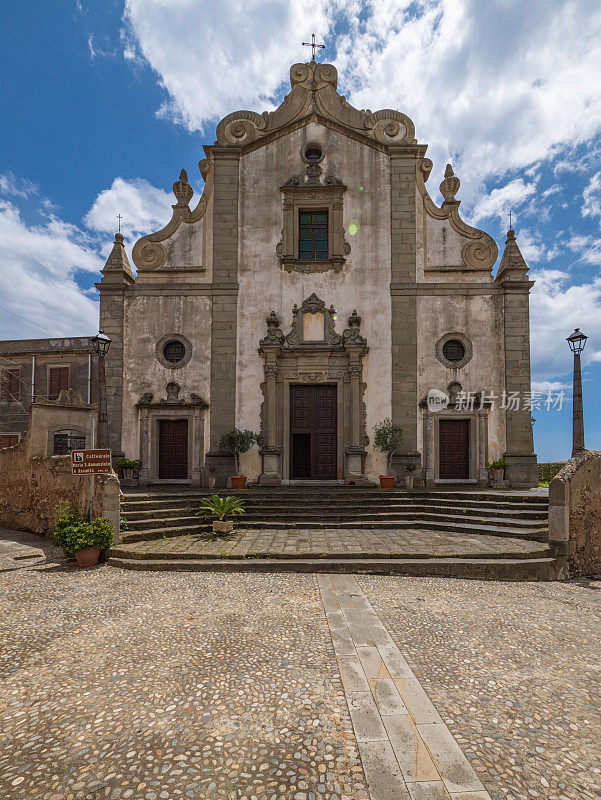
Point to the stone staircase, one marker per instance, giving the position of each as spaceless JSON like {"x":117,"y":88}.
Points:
{"x":160,"y":514}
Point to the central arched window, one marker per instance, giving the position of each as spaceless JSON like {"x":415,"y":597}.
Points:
{"x":313,"y":234}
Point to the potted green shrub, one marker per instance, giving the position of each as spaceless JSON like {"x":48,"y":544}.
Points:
{"x":388,"y":437}
{"x":237,"y":442}
{"x":130,"y":468}
{"x":409,"y":476}
{"x":497,"y":470}
{"x":221,"y":507}
{"x":81,"y":538}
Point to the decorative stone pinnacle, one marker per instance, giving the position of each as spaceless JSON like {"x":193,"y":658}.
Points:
{"x":354,"y":320}
{"x":182,"y":190}
{"x":272,"y":320}
{"x":450,"y":185}
{"x":118,"y":238}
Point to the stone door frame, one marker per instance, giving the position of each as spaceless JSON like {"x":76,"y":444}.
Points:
{"x":478,"y":441}
{"x":149,"y":415}
{"x":337,"y":360}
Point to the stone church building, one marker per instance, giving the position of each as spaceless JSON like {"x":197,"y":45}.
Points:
{"x":314,"y":290}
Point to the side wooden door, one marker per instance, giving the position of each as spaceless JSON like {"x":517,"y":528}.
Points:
{"x":173,"y":449}
{"x":454,"y":449}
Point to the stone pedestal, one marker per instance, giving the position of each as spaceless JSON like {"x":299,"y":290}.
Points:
{"x":223,"y":465}
{"x":272,"y":467}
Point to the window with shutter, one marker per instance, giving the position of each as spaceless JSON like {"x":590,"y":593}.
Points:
{"x":9,"y":385}
{"x":313,"y":235}
{"x":58,"y":379}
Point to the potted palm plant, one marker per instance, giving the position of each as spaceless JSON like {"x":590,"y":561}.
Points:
{"x":238,"y":442}
{"x":388,"y":437}
{"x":221,"y":507}
{"x":82,"y":539}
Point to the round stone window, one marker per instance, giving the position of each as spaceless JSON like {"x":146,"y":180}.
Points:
{"x":453,"y":350}
{"x":173,"y":351}
{"x":312,"y":153}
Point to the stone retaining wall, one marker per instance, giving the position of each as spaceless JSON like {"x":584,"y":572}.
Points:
{"x":33,"y":484}
{"x":575,"y":513}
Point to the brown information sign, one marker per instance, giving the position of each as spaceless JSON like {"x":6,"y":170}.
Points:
{"x":91,"y":462}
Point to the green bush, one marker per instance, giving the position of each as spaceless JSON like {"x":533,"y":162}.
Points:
{"x":388,"y":437}
{"x":500,"y":463}
{"x":221,"y":507}
{"x":74,"y":533}
{"x":125,"y":463}
{"x":547,"y":471}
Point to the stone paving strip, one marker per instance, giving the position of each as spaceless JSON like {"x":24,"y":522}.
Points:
{"x":330,"y":543}
{"x":408,"y":753}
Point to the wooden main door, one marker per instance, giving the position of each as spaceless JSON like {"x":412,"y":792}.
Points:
{"x":173,"y":449}
{"x":313,"y":432}
{"x":454,"y":449}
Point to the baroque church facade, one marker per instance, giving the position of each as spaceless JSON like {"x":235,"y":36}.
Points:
{"x":314,"y":290}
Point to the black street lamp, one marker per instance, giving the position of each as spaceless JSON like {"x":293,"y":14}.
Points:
{"x":577,"y":341}
{"x":101,"y":343}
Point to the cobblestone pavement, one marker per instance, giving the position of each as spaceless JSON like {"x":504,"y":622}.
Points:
{"x":332,"y":543}
{"x":514,"y":671}
{"x":167,"y":686}
{"x":160,"y":687}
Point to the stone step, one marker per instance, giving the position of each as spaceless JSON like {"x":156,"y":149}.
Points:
{"x":540,"y":535}
{"x":122,"y":551}
{"x":298,"y":519}
{"x":500,"y":569}
{"x":409,"y":505}
{"x":343,"y":495}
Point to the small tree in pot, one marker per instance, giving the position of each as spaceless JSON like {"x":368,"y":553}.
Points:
{"x":221,"y":507}
{"x":388,"y":437}
{"x":238,"y":442}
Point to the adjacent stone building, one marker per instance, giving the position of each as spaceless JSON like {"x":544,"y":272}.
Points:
{"x":40,"y":369}
{"x":314,"y":290}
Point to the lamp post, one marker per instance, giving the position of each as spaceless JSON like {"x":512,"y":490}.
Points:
{"x":577,"y":341}
{"x":101,"y":344}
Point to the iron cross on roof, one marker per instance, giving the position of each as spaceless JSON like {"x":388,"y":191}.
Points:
{"x":313,"y":46}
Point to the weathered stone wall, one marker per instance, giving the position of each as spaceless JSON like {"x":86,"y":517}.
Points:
{"x":575,"y":512}
{"x":363,"y":284}
{"x":33,"y":485}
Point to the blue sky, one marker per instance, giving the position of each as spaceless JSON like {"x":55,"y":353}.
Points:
{"x":107,"y":101}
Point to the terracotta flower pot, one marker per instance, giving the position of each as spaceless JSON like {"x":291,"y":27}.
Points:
{"x":387,"y":481}
{"x":223,"y":526}
{"x":238,"y":482}
{"x":88,"y":557}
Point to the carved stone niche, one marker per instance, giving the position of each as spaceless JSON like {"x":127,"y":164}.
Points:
{"x":308,"y":193}
{"x":312,"y":353}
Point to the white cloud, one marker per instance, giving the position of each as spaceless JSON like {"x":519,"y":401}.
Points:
{"x":493,"y":86}
{"x":499,"y":202}
{"x":13,"y":186}
{"x":591,"y":195}
{"x":213,"y":58}
{"x":144,"y":208}
{"x":544,"y":387}
{"x":556,"y":309}
{"x":38,"y":265}
{"x":587,"y":246}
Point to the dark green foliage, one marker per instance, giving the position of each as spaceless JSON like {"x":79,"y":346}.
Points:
{"x":500,"y":463}
{"x":125,"y":463}
{"x":74,"y":533}
{"x":547,"y":471}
